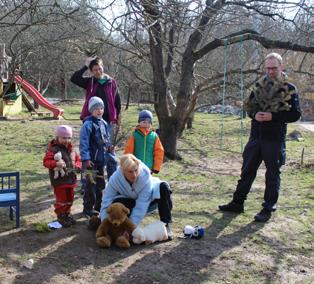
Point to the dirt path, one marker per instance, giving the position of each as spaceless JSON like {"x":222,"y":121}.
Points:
{"x":307,"y":125}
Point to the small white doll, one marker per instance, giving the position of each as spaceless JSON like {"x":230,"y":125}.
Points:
{"x":58,"y":170}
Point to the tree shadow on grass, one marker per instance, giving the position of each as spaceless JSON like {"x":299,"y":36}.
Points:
{"x":188,"y":261}
{"x":62,"y":252}
{"x":55,"y":253}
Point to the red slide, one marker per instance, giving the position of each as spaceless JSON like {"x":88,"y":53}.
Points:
{"x":37,"y":97}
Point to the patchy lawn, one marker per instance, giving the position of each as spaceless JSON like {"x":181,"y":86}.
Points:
{"x":234,"y":249}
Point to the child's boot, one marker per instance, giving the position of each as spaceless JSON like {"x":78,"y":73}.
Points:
{"x":71,"y":218}
{"x":64,"y":220}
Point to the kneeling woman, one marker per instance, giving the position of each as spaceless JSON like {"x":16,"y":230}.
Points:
{"x":133,"y":185}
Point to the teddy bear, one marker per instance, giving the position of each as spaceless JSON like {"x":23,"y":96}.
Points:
{"x":116,"y":228}
{"x":151,"y":233}
{"x":58,"y":170}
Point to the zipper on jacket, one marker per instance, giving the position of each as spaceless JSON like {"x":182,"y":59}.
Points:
{"x":145,"y":148}
{"x":96,"y":155}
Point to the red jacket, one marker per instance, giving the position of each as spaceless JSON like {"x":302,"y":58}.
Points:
{"x":49,"y":162}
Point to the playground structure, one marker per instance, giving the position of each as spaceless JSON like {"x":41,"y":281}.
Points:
{"x":11,"y":92}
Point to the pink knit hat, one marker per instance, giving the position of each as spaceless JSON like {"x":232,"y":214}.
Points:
{"x":63,"y":131}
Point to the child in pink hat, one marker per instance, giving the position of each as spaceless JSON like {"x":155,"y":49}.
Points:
{"x":60,"y":155}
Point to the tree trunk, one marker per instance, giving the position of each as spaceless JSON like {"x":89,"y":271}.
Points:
{"x":168,"y":137}
{"x":189,"y":122}
{"x":63,"y":88}
{"x":128,"y":98}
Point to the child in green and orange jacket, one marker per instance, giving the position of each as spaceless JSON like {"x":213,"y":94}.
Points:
{"x":145,"y":144}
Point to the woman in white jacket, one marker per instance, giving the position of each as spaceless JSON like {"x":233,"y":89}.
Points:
{"x":133,"y":185}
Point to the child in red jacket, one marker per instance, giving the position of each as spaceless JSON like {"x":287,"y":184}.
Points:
{"x":62,"y":173}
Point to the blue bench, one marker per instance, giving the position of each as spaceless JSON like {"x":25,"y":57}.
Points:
{"x":10,"y":194}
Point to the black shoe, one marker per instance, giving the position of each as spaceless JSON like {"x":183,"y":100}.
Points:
{"x":90,"y":213}
{"x":169,"y":232}
{"x":263,"y":216}
{"x":232,"y":207}
{"x":94,"y":222}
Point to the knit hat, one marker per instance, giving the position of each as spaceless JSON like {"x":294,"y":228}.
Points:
{"x":145,"y":115}
{"x":63,"y":131}
{"x":95,"y":102}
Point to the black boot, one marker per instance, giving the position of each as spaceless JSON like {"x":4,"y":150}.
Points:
{"x":263,"y":216}
{"x":232,"y":207}
{"x":71,"y":218}
{"x":90,"y":213}
{"x":64,"y":220}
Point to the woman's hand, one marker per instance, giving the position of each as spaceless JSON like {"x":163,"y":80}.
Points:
{"x":88,"y":60}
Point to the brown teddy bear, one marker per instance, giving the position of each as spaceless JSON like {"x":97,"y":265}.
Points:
{"x":116,"y":228}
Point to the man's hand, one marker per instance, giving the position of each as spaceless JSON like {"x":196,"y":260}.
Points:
{"x":263,"y":116}
{"x":267,"y":116}
{"x":60,"y":164}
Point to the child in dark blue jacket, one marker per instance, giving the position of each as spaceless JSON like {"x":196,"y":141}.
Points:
{"x":95,"y":150}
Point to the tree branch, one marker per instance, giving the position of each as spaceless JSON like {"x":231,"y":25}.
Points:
{"x":251,"y":35}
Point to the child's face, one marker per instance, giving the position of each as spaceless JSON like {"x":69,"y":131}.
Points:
{"x":64,"y":140}
{"x":98,"y":112}
{"x":145,"y":124}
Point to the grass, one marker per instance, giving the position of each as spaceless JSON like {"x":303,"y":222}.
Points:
{"x":234,"y":249}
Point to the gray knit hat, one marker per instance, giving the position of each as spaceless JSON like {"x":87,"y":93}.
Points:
{"x":145,"y":115}
{"x":95,"y":102}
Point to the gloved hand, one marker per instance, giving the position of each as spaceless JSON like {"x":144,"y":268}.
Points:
{"x":88,"y":60}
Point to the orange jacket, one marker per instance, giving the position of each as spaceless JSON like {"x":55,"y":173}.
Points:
{"x":158,"y":148}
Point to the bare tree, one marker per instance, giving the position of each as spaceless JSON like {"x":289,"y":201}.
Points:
{"x":173,"y":49}
{"x":182,"y":34}
{"x":42,"y":37}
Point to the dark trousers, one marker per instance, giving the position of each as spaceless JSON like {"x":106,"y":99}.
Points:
{"x":256,"y":151}
{"x":111,"y":167}
{"x":164,"y":203}
{"x":93,"y":189}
